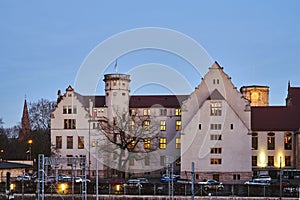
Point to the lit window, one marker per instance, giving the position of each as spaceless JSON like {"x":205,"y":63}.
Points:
{"x":146,"y":112}
{"x":178,"y":125}
{"x":131,"y":143}
{"x":178,"y":143}
{"x":216,"y":150}
{"x":58,"y":142}
{"x":163,"y":143}
{"x":80,"y":142}
{"x":178,"y":112}
{"x":216,"y":109}
{"x":215,"y":161}
{"x":271,"y":141}
{"x":69,"y":123}
{"x":132,"y":112}
{"x":131,"y":125}
{"x":163,"y":125}
{"x":146,"y":124}
{"x":287,"y":141}
{"x":147,"y":143}
{"x":69,"y":142}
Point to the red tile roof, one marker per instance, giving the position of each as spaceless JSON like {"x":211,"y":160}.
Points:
{"x":294,"y":96}
{"x":275,"y":118}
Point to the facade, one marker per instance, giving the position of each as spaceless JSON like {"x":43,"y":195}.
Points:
{"x":216,"y":127}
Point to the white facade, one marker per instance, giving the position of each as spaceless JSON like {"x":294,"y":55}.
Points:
{"x":216,"y":130}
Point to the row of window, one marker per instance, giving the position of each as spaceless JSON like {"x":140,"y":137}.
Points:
{"x":215,"y":126}
{"x":70,"y":145}
{"x":271,"y":141}
{"x":287,"y":161}
{"x":69,"y":109}
{"x":162,"y":112}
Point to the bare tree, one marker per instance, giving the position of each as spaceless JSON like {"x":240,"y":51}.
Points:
{"x":128,"y":137}
{"x":39,"y":114}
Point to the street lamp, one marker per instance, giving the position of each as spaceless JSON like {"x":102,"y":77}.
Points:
{"x":30,"y":143}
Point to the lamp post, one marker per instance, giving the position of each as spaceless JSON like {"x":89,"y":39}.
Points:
{"x":280,"y":178}
{"x":30,"y":143}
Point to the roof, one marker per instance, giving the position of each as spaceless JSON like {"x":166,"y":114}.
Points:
{"x":294,"y":96}
{"x":215,"y":95}
{"x":275,"y":118}
{"x":167,"y":101}
{"x":12,"y":165}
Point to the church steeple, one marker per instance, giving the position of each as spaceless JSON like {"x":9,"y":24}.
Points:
{"x":26,"y":128}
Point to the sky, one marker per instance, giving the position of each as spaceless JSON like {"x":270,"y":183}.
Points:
{"x":43,"y":44}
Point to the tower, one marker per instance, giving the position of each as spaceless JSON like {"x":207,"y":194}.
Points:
{"x":116,"y":94}
{"x":25,"y":122}
{"x":257,"y":95}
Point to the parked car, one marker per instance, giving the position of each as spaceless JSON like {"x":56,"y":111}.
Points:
{"x":165,"y":178}
{"x":263,"y":178}
{"x":143,"y":180}
{"x":133,"y":183}
{"x":212,"y":185}
{"x":25,"y":177}
{"x":257,"y":182}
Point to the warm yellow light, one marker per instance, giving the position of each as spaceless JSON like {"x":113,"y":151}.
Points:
{"x":262,"y":162}
{"x":63,"y":188}
{"x":279,"y":160}
{"x":118,"y":187}
{"x":29,"y":141}
{"x":12,"y":186}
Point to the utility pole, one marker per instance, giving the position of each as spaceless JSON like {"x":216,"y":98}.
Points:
{"x":192,"y":186}
{"x":280,"y":179}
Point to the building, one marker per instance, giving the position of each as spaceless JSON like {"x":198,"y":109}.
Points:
{"x":216,"y":127}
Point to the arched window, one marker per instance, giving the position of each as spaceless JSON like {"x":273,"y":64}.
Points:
{"x":271,"y":141}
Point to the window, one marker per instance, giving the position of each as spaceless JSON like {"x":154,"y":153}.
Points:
{"x":215,"y":126}
{"x":162,"y":160}
{"x":58,"y":142}
{"x":146,"y":112}
{"x":178,"y":112}
{"x":178,"y":125}
{"x":65,"y":111}
{"x":236,"y":176}
{"x":178,"y":161}
{"x":132,"y":112}
{"x":271,"y":161}
{"x":146,"y":124}
{"x":287,"y":141}
{"x":216,"y":109}
{"x":162,"y":143}
{"x":254,"y":160}
{"x":215,"y":161}
{"x":216,"y":177}
{"x":69,"y":160}
{"x":131,"y":161}
{"x":69,"y":110}
{"x":215,"y":137}
{"x":231,"y":126}
{"x":163,"y":112}
{"x":271,"y":141}
{"x":80,"y":142}
{"x":162,"y":125}
{"x":131,"y":125}
{"x":147,"y":143}
{"x":131,"y":144}
{"x":254,"y":141}
{"x":69,"y":142}
{"x":216,"y":150}
{"x":287,"y":160}
{"x":177,"y":143}
{"x":199,"y":126}
{"x":69,"y":123}
{"x":147,"y":160}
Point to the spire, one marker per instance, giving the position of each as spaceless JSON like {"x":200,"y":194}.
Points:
{"x":25,"y":129}
{"x":116,"y":66}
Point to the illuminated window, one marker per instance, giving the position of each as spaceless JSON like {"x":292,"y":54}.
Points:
{"x":146,"y":112}
{"x":58,"y":142}
{"x":216,"y":109}
{"x":69,"y":123}
{"x":69,"y":142}
{"x":254,"y":160}
{"x":131,"y":144}
{"x":287,"y":141}
{"x":254,"y":141}
{"x":271,"y":141}
{"x":80,"y":142}
{"x":162,"y":125}
{"x":162,"y":143}
{"x":288,"y":161}
{"x":146,"y":124}
{"x":147,"y":143}
{"x":163,"y":112}
{"x":215,"y":161}
{"x":270,"y":161}
{"x":216,"y":150}
{"x":178,"y":125}
{"x":178,"y":143}
{"x":132,"y":112}
{"x":178,"y":112}
{"x":131,"y":125}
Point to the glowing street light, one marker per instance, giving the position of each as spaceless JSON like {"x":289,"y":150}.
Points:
{"x":30,"y":143}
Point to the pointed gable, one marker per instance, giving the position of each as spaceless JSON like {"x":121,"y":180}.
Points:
{"x":216,"y":95}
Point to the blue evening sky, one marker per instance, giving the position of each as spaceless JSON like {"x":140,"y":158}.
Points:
{"x":43,"y":43}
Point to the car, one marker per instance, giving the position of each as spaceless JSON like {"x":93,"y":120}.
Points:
{"x":79,"y":179}
{"x":143,"y":180}
{"x":133,"y":183}
{"x":257,"y":182}
{"x":263,"y":178}
{"x":25,"y":177}
{"x":212,"y":185}
{"x":165,"y":178}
